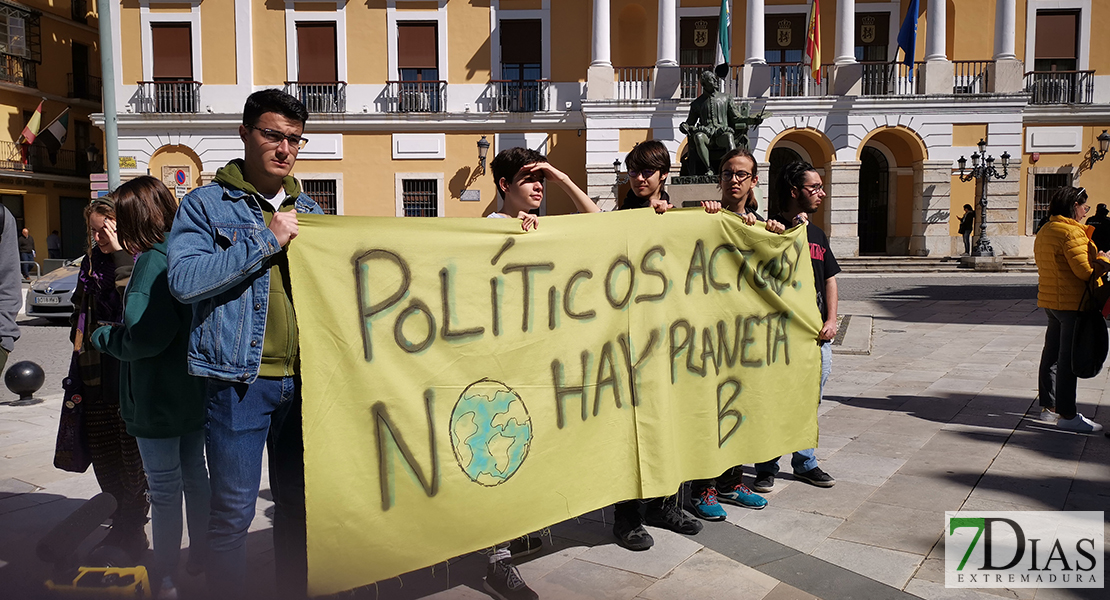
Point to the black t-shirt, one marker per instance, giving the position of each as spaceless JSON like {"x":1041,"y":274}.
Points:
{"x":967,"y":222}
{"x":1101,"y":235}
{"x":631,"y":200}
{"x":824,"y":263}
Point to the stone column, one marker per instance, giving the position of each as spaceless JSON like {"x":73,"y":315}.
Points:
{"x":668,"y":75}
{"x":1007,"y":74}
{"x":842,"y":186}
{"x":846,"y":72}
{"x":932,"y":190}
{"x":1002,"y":213}
{"x":938,"y":74}
{"x":599,"y":77}
{"x":756,"y":76}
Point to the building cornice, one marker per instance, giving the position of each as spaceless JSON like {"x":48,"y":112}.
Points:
{"x":37,"y":93}
{"x":1095,"y":114}
{"x":351,"y":122}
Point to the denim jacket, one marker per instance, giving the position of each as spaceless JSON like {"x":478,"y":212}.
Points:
{"x":218,"y":250}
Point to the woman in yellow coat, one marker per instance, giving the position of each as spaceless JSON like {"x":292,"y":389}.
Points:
{"x":1066,"y":260}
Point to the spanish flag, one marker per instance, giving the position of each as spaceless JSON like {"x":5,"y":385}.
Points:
{"x":31,"y":131}
{"x":813,"y":41}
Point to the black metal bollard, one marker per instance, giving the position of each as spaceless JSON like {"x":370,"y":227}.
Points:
{"x":24,"y":378}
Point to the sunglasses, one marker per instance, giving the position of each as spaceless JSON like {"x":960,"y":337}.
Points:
{"x":642,"y":173}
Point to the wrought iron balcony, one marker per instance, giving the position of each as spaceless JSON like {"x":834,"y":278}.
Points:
{"x":890,"y":79}
{"x":18,"y":70}
{"x":633,"y":84}
{"x":796,"y":79}
{"x":86,"y":88}
{"x":1060,"y":87}
{"x":39,"y":159}
{"x":691,"y":82}
{"x":320,"y":97}
{"x":416,"y":96}
{"x":169,"y":96}
{"x":520,"y":95}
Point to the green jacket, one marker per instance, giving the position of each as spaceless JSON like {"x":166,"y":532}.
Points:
{"x":158,"y":398}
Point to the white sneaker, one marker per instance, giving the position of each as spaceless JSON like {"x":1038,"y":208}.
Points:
{"x":1048,"y":415}
{"x":1079,"y":424}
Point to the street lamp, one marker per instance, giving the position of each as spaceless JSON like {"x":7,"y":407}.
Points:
{"x":1103,"y":146}
{"x":483,"y":150}
{"x":93,"y":156}
{"x":622,"y":178}
{"x":984,"y":173}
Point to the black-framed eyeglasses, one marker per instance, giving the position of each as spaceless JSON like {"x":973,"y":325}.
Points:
{"x":814,"y":188}
{"x":275,"y":137}
{"x":740,"y":176}
{"x":642,"y":173}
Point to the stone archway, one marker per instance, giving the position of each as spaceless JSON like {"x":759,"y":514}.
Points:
{"x":874,"y":196}
{"x":168,"y":160}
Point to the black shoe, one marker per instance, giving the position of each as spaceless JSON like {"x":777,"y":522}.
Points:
{"x":525,"y":545}
{"x":130,"y":539}
{"x":503,"y":581}
{"x":764,"y":482}
{"x":817,"y":477}
{"x":634,"y":538}
{"x":670,"y":516}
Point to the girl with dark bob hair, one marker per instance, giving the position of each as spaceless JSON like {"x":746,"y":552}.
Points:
{"x":1066,"y":261}
{"x":161,"y":404}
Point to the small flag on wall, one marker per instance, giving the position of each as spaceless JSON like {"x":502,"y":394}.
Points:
{"x":907,"y":37}
{"x":31,"y":130}
{"x":724,"y":44}
{"x":813,"y":41}
{"x":55,"y":135}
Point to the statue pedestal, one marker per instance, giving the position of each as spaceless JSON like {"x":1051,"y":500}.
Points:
{"x":684,"y":195}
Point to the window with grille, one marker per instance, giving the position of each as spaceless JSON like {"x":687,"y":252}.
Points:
{"x":419,"y":197}
{"x":1043,"y":187}
{"x":322,"y":192}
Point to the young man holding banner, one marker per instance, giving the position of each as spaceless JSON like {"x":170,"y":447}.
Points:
{"x":227,"y":258}
{"x":800,"y":193}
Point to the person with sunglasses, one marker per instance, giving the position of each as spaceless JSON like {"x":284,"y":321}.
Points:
{"x":1066,"y":261}
{"x":227,"y":259}
{"x":649,"y":165}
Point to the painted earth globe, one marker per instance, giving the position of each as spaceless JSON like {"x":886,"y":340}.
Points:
{"x":491,"y":432}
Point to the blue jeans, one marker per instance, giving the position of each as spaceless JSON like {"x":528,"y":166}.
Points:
{"x":804,"y":460}
{"x":25,"y":258}
{"x":176,"y":465}
{"x":242,"y":419}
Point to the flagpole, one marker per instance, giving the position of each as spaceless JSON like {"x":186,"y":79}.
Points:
{"x":108,"y":77}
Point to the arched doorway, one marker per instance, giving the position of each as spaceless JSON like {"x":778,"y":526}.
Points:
{"x":780,"y":157}
{"x":874,"y":197}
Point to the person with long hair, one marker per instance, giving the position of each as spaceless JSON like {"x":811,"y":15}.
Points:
{"x":162,"y":405}
{"x":1066,"y":261}
{"x":114,"y":453}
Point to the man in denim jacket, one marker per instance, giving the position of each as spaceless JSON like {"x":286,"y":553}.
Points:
{"x":227,"y":258}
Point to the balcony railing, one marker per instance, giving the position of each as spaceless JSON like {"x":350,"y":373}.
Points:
{"x":796,"y":79}
{"x":327,"y":97}
{"x":416,"y":96}
{"x":691,"y":83}
{"x":169,"y":96}
{"x":971,"y":76}
{"x":1060,"y":87}
{"x":520,"y":96}
{"x":86,"y":88}
{"x":890,"y":79}
{"x":18,"y":70}
{"x":38,"y":159}
{"x":634,"y":83}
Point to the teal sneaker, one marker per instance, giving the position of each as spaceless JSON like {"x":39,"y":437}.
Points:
{"x":707,"y":508}
{"x":741,"y":495}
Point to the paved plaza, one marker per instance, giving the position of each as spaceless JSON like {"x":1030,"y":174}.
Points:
{"x":924,"y":413}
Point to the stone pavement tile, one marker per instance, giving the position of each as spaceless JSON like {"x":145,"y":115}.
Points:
{"x":708,"y":574}
{"x":924,"y":493}
{"x":933,"y":407}
{"x":826,"y":580}
{"x":839,"y":501}
{"x":861,"y":468}
{"x":893,"y":527}
{"x":581,"y":580}
{"x":891,"y":567}
{"x":460,"y":592}
{"x":556,"y":553}
{"x":1088,"y":500}
{"x":842,"y":426}
{"x":737,"y":515}
{"x":669,"y":551}
{"x":828,"y":444}
{"x":742,"y":545}
{"x":1018,"y":460}
{"x":994,"y":398}
{"x":866,"y":409}
{"x":982,"y":502}
{"x":1032,"y":488}
{"x":1007,"y":420}
{"x":785,"y":591}
{"x":949,"y":384}
{"x":802,"y":531}
{"x":13,"y":487}
{"x":907,"y":426}
{"x":963,"y":443}
{"x":929,"y":590}
{"x":886,"y":445}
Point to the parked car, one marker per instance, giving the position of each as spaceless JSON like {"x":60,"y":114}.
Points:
{"x":51,"y":296}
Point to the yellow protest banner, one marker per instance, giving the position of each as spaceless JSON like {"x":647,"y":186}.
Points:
{"x":466,"y":382}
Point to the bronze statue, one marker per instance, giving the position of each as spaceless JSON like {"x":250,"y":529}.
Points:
{"x":713,"y":128}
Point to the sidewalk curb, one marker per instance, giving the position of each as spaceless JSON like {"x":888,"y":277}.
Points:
{"x":854,"y":336}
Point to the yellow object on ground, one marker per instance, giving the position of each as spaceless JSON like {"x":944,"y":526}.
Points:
{"x":466,"y":382}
